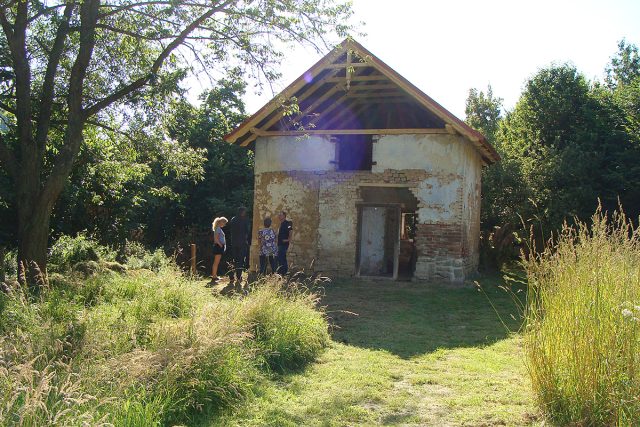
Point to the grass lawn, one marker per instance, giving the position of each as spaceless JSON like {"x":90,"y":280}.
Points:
{"x":405,"y":354}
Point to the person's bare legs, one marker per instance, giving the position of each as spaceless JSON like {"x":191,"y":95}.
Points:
{"x":214,"y":268}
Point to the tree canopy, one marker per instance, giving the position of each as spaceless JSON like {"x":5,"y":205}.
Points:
{"x":567,"y":144}
{"x":75,"y":70}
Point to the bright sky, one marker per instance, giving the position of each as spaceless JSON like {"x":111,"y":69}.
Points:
{"x":447,"y":47}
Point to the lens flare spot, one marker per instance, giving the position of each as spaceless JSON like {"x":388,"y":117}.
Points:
{"x":308,"y":77}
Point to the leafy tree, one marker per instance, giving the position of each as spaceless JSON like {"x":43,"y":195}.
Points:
{"x":569,"y":142}
{"x":227,"y":173}
{"x":501,"y":183}
{"x":483,"y":112}
{"x":624,"y":67}
{"x":73,"y":64}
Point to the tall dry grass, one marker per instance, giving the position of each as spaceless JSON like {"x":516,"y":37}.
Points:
{"x":582,"y":336}
{"x":146,"y":348}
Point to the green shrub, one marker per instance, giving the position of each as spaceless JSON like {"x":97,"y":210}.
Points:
{"x":11,"y":264}
{"x":138,"y":257}
{"x":289,"y":329}
{"x":68,"y":251}
{"x":583,"y":324}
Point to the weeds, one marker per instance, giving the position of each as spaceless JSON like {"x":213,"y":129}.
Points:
{"x":145,"y":348}
{"x":582,"y":337}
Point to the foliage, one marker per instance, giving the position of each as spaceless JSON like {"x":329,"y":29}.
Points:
{"x":498,"y":247}
{"x":582,"y":338}
{"x":137,"y":256}
{"x":483,"y":112}
{"x":567,"y":143}
{"x":78,"y":73}
{"x":501,"y":185}
{"x":624,"y":67}
{"x":134,"y":190}
{"x":68,"y":251}
{"x":142,"y":348}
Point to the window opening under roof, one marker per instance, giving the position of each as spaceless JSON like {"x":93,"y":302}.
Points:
{"x":355,"y":152}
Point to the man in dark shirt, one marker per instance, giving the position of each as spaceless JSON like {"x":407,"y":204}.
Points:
{"x":239,"y":226}
{"x":285,"y":234}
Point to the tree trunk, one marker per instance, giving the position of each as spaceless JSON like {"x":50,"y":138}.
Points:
{"x":33,"y":238}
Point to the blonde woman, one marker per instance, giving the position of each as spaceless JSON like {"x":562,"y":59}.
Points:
{"x":219,"y":245}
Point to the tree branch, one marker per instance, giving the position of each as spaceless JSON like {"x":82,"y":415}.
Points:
{"x":22,"y":69}
{"x":46,"y":10}
{"x":7,"y":108}
{"x":48,"y":86}
{"x":75,"y":119}
{"x":140,"y":82}
{"x":119,"y":9}
{"x":110,"y":129}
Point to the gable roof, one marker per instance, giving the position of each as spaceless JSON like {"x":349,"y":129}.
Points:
{"x":365,"y":92}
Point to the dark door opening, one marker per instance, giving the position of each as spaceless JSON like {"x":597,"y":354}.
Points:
{"x":379,"y":241}
{"x":408,"y":252}
{"x":387,"y":220}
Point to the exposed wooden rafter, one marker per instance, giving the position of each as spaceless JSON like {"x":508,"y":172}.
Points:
{"x":373,"y":87}
{"x":350,"y":65}
{"x":349,"y":132}
{"x":348,"y":112}
{"x":378,"y":77}
{"x":376,"y":94}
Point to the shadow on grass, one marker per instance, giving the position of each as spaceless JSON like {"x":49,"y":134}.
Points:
{"x":411,"y":319}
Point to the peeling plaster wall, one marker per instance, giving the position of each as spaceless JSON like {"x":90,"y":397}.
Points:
{"x":442,"y":171}
{"x":280,"y":191}
{"x":432,"y":152}
{"x":277,"y":154}
{"x":449,"y":199}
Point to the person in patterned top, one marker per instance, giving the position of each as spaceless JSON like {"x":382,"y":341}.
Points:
{"x":268,"y":247}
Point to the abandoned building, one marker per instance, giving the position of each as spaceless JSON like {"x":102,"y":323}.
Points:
{"x":378,"y":179}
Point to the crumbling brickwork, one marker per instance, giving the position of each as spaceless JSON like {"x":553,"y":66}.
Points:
{"x":323,"y":208}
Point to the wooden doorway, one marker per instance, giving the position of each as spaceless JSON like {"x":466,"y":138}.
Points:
{"x":378,"y":243}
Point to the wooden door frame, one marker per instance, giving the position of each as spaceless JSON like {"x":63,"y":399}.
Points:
{"x":396,"y":249}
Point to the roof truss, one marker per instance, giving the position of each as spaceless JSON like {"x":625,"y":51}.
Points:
{"x":350,"y":90}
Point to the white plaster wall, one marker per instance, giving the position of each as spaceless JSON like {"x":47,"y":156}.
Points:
{"x":431,"y":152}
{"x":439,"y":199}
{"x":290,"y":153}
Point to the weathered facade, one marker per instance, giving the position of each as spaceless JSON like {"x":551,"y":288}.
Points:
{"x":382,"y":181}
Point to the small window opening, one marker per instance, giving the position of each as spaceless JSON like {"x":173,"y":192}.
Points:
{"x":355,"y":152}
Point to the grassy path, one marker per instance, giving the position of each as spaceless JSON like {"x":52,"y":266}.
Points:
{"x":405,"y":354}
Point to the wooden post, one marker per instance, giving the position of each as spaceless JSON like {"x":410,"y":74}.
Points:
{"x":193,"y":259}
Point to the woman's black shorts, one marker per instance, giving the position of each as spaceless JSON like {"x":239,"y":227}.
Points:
{"x":218,"y":250}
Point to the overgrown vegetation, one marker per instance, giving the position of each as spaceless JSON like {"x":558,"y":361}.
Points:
{"x":143,"y":348}
{"x":568,"y":142}
{"x":582,"y":338}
